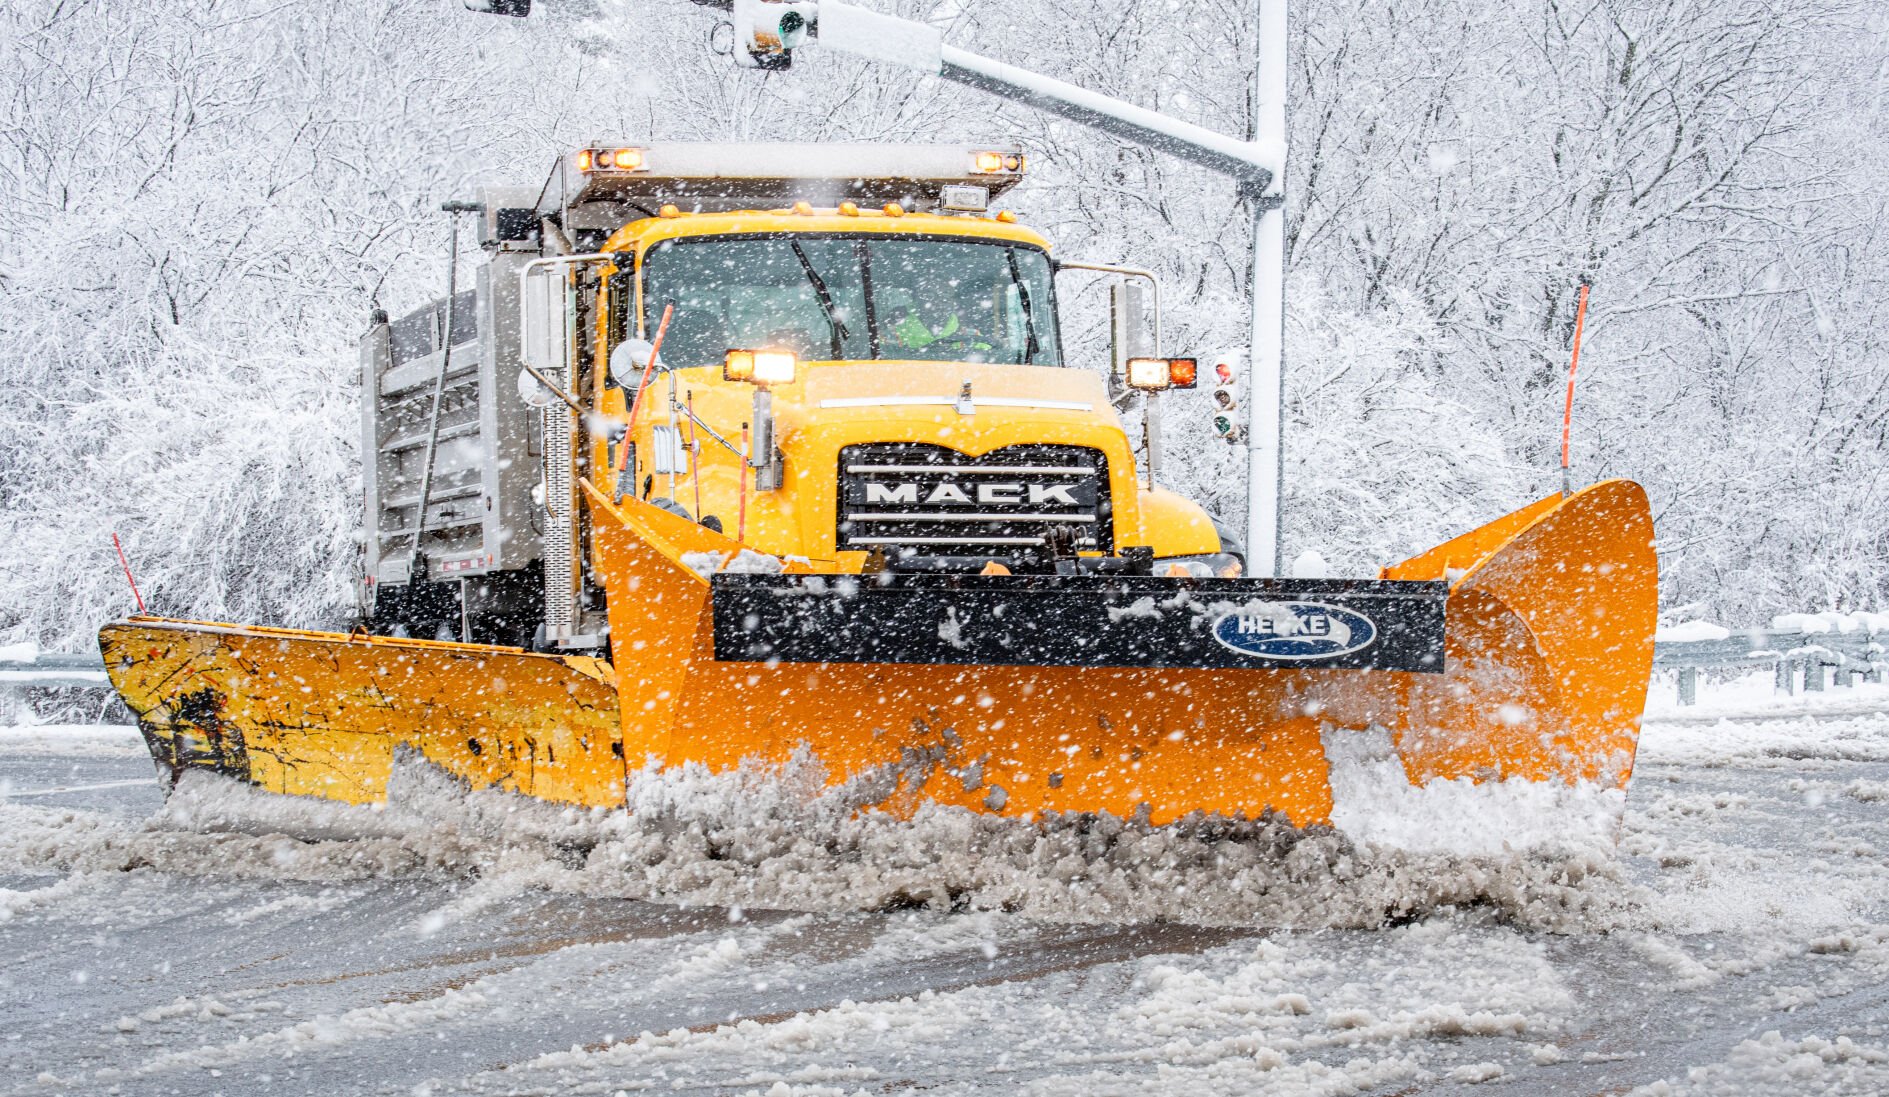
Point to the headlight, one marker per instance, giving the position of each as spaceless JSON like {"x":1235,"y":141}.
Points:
{"x":760,"y":367}
{"x":1211,"y":565}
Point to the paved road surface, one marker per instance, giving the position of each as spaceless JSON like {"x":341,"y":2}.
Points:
{"x":1751,"y":897}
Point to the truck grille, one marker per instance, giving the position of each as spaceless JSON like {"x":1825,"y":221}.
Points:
{"x":937,"y":499}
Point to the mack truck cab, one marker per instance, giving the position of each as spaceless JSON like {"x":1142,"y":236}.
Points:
{"x":843,"y":357}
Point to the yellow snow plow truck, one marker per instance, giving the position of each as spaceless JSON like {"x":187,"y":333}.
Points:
{"x":739,"y":452}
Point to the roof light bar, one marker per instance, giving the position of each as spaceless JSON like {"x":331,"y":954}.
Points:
{"x":629,"y":159}
{"x":997,"y":162}
{"x":715,"y":178}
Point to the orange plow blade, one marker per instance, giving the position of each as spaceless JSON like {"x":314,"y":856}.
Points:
{"x":1550,"y":615}
{"x":1519,"y":651}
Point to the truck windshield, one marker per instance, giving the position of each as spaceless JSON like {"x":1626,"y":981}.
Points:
{"x":852,"y":297}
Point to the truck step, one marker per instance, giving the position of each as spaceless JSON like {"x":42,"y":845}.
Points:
{"x":416,"y":441}
{"x":443,"y":496}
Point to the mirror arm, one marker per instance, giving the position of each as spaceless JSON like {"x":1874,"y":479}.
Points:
{"x":552,"y":387}
{"x":689,"y":413}
{"x":1154,"y":285}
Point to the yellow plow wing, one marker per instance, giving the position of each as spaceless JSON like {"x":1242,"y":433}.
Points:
{"x":321,"y":714}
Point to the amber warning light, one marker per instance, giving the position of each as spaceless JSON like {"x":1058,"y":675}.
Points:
{"x":610,"y":160}
{"x":993,"y":162}
{"x":760,"y":367}
{"x":1155,"y":374}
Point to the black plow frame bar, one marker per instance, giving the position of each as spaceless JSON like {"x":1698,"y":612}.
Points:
{"x":1080,"y":621}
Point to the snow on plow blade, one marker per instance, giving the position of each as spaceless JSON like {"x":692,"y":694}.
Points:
{"x":1518,"y":651}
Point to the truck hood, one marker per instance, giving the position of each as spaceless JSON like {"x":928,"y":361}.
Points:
{"x":844,"y":404}
{"x":859,"y":386}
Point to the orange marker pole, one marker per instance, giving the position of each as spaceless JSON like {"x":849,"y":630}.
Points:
{"x":741,"y":520}
{"x":649,"y":367}
{"x":126,"y":564}
{"x":1567,"y":412}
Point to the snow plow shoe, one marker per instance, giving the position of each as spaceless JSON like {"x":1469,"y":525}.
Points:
{"x":1519,"y":651}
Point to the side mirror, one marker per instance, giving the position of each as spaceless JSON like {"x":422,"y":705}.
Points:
{"x":1128,"y":326}
{"x":533,"y":391}
{"x":544,"y":321}
{"x":629,"y":360}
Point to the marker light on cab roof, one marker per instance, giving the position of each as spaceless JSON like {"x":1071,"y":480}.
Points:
{"x":630,"y":159}
{"x":992,"y":162}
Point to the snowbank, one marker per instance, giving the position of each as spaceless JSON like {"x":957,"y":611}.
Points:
{"x":1689,"y":632}
{"x":1754,"y":696}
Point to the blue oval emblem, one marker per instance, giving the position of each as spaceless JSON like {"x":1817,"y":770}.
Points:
{"x":1294,"y":630}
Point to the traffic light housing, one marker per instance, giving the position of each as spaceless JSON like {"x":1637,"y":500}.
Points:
{"x":1228,"y":371}
{"x":768,"y":31}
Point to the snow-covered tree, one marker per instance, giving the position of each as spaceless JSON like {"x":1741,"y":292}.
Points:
{"x":203,"y":200}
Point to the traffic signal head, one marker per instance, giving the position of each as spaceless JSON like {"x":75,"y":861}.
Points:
{"x":768,"y":31}
{"x":1226,"y":396}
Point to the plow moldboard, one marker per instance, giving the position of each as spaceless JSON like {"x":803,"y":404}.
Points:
{"x":320,"y":714}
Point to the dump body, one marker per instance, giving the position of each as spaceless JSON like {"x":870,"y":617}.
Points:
{"x":479,"y":515}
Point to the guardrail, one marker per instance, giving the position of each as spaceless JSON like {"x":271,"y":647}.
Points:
{"x":54,"y":669}
{"x":1794,"y":656}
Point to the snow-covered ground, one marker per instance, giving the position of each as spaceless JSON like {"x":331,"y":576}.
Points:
{"x":730,"y":939}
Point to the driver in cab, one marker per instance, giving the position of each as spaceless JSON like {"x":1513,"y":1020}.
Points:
{"x":937,"y":327}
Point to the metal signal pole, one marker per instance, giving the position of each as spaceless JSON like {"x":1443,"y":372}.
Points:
{"x":1266,"y":406}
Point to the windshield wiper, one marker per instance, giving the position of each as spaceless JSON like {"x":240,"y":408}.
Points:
{"x":840,"y":331}
{"x":863,"y":252}
{"x":1030,"y":344}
